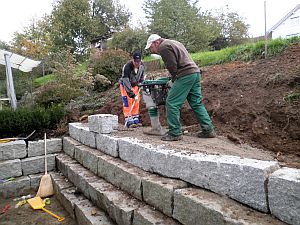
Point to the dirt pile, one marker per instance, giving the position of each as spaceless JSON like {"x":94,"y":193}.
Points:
{"x":257,"y":103}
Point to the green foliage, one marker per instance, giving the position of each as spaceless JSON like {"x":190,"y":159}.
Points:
{"x":292,"y":97}
{"x":232,"y":27}
{"x":180,"y":20}
{"x":34,"y":41}
{"x":244,"y":52}
{"x":130,"y":40}
{"x":40,"y":81}
{"x":25,"y":120}
{"x":109,"y":64}
{"x":75,"y":23}
{"x":69,"y":83}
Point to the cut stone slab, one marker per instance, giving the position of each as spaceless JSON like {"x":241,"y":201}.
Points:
{"x":10,"y":168}
{"x":159,"y":192}
{"x":34,"y":165}
{"x":69,"y":145}
{"x":284,"y":195}
{"x":122,"y":175}
{"x":147,"y":216}
{"x":17,"y":187}
{"x":35,"y":181}
{"x":196,"y":206}
{"x":107,"y":144}
{"x":13,"y":150}
{"x":239,"y":178}
{"x":83,"y":211}
{"x":37,"y":148}
{"x":101,"y":123}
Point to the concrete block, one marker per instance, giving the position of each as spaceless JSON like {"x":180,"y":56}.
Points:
{"x":196,"y":206}
{"x":101,"y":123}
{"x":10,"y":168}
{"x":83,"y":214}
{"x":69,"y":145}
{"x":147,"y":216}
{"x":107,"y":144}
{"x":284,"y":195}
{"x":13,"y":150}
{"x":241,"y":179}
{"x":34,"y":165}
{"x":159,"y":192}
{"x":17,"y":187}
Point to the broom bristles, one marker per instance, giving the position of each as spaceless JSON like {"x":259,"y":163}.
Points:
{"x":46,"y":186}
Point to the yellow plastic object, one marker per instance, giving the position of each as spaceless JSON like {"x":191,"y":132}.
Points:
{"x":37,"y":203}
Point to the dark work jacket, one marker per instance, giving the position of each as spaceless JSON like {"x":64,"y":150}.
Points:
{"x":177,"y":59}
{"x":130,"y":78}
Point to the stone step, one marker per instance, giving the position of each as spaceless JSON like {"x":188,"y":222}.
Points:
{"x":120,"y":206}
{"x":77,"y":205}
{"x":171,"y":197}
{"x":246,"y":180}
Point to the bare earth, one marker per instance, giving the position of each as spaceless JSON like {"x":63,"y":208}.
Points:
{"x":25,"y":215}
{"x":253,"y":104}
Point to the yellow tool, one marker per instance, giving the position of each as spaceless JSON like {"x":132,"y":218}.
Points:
{"x":37,"y":203}
{"x":5,"y":140}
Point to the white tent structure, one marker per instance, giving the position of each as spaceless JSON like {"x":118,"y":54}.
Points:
{"x":12,"y":60}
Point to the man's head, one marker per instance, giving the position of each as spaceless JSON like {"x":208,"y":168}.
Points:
{"x":153,"y":43}
{"x":137,"y":57}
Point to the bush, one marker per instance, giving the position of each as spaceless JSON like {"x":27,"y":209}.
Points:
{"x":25,"y":120}
{"x":109,"y":64}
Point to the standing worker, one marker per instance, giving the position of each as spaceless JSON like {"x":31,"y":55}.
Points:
{"x":132,"y":75}
{"x":185,"y":76}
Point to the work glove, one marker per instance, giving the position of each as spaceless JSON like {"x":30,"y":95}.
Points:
{"x":131,"y":95}
{"x":169,"y":84}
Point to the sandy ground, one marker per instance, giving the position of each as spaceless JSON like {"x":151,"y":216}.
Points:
{"x":25,"y":215}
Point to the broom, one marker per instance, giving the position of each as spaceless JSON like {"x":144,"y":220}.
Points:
{"x":46,"y":186}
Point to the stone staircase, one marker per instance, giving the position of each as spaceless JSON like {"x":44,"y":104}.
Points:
{"x":134,"y":182}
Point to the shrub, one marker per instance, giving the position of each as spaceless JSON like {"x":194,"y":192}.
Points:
{"x":69,"y":83}
{"x":109,"y":64}
{"x":25,"y":120}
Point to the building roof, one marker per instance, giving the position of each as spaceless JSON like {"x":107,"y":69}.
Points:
{"x":284,"y":18}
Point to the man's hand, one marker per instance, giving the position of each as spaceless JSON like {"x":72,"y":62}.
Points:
{"x":131,"y":95}
{"x":136,"y":98}
{"x":169,"y":83}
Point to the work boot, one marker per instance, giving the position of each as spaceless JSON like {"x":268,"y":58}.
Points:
{"x":211,"y":134}
{"x":169,"y":137}
{"x":156,"y":132}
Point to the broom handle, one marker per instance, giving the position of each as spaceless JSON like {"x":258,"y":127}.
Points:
{"x":45,"y":142}
{"x":60,"y":219}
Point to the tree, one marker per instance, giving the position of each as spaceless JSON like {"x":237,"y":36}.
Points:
{"x":34,"y":42}
{"x":130,"y":40}
{"x":71,"y":26}
{"x":180,"y":20}
{"x":75,"y":23}
{"x":110,"y":15}
{"x":233,"y":29}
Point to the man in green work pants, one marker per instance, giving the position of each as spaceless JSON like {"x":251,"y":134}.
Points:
{"x":186,"y":85}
